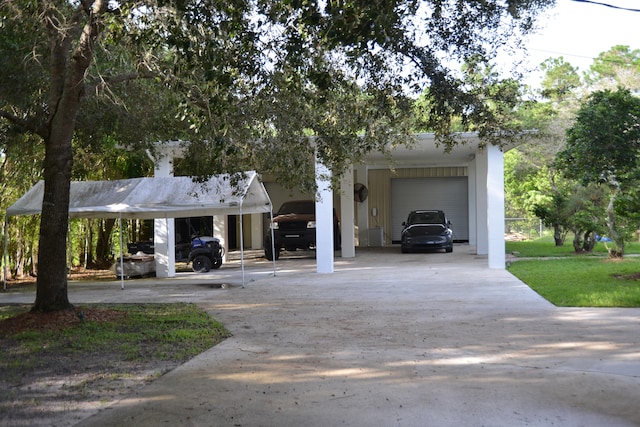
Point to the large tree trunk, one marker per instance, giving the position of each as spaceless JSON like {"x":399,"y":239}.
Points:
{"x":51,"y":292}
{"x":71,"y":42}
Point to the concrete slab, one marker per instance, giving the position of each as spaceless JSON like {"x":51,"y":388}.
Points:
{"x":388,"y":339}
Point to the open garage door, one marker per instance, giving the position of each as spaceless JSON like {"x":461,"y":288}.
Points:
{"x":449,"y":194}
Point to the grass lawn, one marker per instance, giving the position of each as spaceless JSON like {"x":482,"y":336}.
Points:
{"x":545,"y":247}
{"x":569,"y":280}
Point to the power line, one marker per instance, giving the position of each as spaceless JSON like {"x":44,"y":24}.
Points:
{"x":561,"y":53}
{"x":628,"y":9}
{"x":620,"y":61}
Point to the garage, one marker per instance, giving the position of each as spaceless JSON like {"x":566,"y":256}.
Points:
{"x":449,"y":194}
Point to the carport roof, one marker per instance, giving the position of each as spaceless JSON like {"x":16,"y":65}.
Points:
{"x":146,"y":198}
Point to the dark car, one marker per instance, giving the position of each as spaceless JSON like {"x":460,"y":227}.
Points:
{"x":294,"y":227}
{"x":426,"y":230}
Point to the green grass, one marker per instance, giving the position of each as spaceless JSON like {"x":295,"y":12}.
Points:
{"x":582,"y":281}
{"x":145,"y":332}
{"x":545,"y":247}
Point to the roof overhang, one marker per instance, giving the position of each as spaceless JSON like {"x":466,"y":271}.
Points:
{"x":428,"y":152}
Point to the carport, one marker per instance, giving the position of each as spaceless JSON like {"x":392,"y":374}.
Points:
{"x":150,"y":198}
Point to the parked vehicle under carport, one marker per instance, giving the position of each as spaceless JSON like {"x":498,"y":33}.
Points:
{"x":426,"y":230}
{"x":203,"y":252}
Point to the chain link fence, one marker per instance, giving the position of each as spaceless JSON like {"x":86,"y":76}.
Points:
{"x":523,"y":228}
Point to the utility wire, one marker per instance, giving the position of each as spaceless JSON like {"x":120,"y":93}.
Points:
{"x":611,"y":60}
{"x":628,"y":9}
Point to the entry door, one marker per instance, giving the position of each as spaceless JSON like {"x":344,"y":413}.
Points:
{"x":447,"y":194}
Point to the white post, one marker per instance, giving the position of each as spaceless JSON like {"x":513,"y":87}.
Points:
{"x":221,"y":231}
{"x":121,"y":253}
{"x":482,"y":246}
{"x":164,"y":231}
{"x":495,"y":207}
{"x":257,"y":231}
{"x":347,"y":215}
{"x":324,"y":220}
{"x":473,"y":209}
{"x":363,"y":209}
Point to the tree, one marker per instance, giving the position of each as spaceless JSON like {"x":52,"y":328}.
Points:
{"x":560,"y":81}
{"x":252,"y":79}
{"x":619,"y":66}
{"x":603,"y":147}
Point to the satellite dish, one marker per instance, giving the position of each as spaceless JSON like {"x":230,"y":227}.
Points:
{"x":360,"y":192}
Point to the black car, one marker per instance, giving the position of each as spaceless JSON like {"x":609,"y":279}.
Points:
{"x":294,"y":227}
{"x":426,"y":229}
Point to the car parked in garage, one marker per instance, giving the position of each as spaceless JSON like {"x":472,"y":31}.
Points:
{"x":294,"y":227}
{"x":426,"y":230}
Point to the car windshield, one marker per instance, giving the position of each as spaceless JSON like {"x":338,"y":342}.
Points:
{"x":307,"y":208}
{"x":426,"y":218}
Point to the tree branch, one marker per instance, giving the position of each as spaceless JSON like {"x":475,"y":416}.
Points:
{"x":25,"y":125}
{"x":104,"y":82}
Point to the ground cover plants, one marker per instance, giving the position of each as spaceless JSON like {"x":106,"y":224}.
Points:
{"x":57,"y":367}
{"x":568,"y":279}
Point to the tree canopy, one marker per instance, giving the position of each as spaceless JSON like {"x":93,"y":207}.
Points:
{"x":603,"y":147}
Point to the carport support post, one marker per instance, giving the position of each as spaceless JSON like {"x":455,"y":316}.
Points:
{"x":164,"y":231}
{"x":495,"y":207}
{"x":490,"y":205}
{"x":347,"y":214}
{"x":324,"y":220}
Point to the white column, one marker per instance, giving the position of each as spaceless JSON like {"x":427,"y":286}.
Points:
{"x":347,"y":217}
{"x":471,"y":181}
{"x":482,"y":244}
{"x":495,"y":207}
{"x":363,"y":208}
{"x":164,"y":234}
{"x":324,"y":220}
{"x":221,"y":231}
{"x":257,"y":232}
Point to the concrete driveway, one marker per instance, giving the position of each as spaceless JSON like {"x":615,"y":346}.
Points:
{"x":389,"y":339}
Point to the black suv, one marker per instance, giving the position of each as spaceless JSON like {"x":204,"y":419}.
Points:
{"x":294,"y":227}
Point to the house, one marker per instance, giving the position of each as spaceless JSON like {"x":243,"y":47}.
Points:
{"x":467,"y":183}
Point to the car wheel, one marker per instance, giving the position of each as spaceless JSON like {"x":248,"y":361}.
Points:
{"x":449,"y":250}
{"x":201,"y":264}
{"x":217,"y":263}
{"x":270,"y":254}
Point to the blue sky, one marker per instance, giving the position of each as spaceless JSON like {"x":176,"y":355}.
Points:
{"x":579,"y":31}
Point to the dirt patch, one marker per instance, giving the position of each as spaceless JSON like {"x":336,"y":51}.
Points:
{"x":76,"y":274}
{"x":56,"y":320}
{"x":632,"y":276}
{"x":63,"y":387}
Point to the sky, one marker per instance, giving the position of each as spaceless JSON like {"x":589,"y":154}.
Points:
{"x":579,"y":31}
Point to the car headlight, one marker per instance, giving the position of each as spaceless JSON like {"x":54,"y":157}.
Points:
{"x":311,"y":224}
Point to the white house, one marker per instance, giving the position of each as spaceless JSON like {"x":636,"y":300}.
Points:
{"x":467,"y":183}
